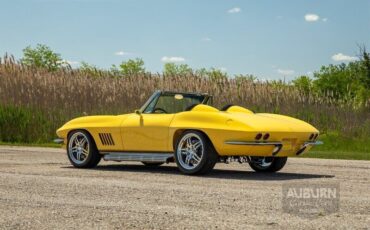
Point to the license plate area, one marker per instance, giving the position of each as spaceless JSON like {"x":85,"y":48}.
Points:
{"x":288,"y":143}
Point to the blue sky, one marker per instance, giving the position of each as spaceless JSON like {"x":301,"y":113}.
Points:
{"x":270,"y":39}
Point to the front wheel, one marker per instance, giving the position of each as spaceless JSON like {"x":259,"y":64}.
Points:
{"x":81,"y":150}
{"x":195,"y":154}
{"x":267,"y":164}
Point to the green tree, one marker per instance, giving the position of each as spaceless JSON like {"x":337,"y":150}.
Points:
{"x":363,"y":93}
{"x":90,"y":70}
{"x":338,"y":81}
{"x":365,"y":60}
{"x":42,"y":57}
{"x":176,"y":69}
{"x":278,"y":84}
{"x":345,"y":81}
{"x":245,"y":77}
{"x":132,"y":67}
{"x":212,"y":73}
{"x":216,"y":74}
{"x":304,"y":84}
{"x":202,"y":72}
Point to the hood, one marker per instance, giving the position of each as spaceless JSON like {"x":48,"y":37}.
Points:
{"x":91,"y":121}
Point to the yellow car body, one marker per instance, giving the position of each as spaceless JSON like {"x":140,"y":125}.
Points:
{"x":232,"y":132}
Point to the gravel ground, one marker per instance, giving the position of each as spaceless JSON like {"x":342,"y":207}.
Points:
{"x":40,"y":190}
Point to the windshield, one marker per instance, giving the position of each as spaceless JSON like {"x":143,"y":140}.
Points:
{"x":173,"y":102}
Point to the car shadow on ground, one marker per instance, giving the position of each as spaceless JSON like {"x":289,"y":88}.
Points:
{"x":215,"y":173}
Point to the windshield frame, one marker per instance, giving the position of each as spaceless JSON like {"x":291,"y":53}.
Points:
{"x":155,"y":96}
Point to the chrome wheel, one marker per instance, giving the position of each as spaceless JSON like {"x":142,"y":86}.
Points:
{"x":78,"y":148}
{"x":190,"y":151}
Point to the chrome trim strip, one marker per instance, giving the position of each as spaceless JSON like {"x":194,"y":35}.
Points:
{"x":58,"y":141}
{"x":252,"y":143}
{"x":276,"y":150}
{"x":136,"y":156}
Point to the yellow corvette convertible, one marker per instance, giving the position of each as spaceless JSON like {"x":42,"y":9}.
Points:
{"x":182,"y":127}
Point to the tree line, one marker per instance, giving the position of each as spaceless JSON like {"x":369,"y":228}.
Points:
{"x":345,"y":81}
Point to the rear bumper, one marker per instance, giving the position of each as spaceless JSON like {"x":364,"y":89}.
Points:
{"x":275,"y":148}
{"x":277,"y":145}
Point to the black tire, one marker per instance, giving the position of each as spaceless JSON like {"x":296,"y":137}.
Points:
{"x":152,"y":164}
{"x":209,"y":157}
{"x":277,"y":163}
{"x":93,"y":156}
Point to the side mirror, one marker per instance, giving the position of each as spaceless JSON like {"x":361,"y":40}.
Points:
{"x":138,"y":112}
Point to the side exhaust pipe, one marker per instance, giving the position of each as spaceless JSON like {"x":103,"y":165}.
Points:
{"x":306,"y":144}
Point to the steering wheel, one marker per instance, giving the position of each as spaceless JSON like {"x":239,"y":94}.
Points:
{"x":159,"y":109}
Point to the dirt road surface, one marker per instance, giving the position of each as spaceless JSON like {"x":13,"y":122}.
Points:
{"x":40,"y":190}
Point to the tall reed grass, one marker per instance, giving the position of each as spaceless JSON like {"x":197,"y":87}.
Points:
{"x":48,"y":99}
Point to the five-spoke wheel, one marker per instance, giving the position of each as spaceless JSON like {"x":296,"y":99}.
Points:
{"x":190,"y":151}
{"x":195,"y":153}
{"x":81,"y":150}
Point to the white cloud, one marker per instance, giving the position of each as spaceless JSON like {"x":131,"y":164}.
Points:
{"x":206,"y":39}
{"x":234,"y":10}
{"x":342,"y":57}
{"x":285,"y":71}
{"x":172,"y":59}
{"x":311,"y":17}
{"x":122,"y":53}
{"x":325,"y":19}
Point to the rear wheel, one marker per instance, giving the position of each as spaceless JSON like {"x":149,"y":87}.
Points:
{"x":267,"y":164}
{"x":195,"y":154}
{"x":81,"y":150}
{"x":152,"y":164}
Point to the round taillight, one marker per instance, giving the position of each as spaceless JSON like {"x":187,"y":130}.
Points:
{"x":311,"y":136}
{"x":266,"y":136}
{"x":258,"y":136}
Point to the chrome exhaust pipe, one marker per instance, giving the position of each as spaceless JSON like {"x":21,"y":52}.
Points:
{"x":301,"y":150}
{"x":308,"y":143}
{"x":277,"y":149}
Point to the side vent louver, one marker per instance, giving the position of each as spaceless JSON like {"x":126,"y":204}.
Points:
{"x":106,"y":138}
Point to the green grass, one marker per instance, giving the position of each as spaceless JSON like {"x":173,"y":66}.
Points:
{"x":337,"y":155}
{"x":23,"y":125}
{"x":50,"y":145}
{"x":337,"y":146}
{"x":339,"y":143}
